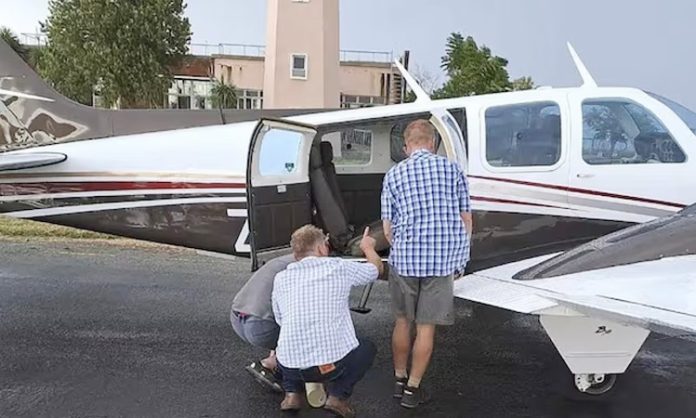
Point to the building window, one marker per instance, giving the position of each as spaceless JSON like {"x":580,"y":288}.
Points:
{"x":298,"y":66}
{"x":621,"y":132}
{"x":249,"y":99}
{"x":523,"y":135}
{"x":190,"y":93}
{"x":352,"y":102}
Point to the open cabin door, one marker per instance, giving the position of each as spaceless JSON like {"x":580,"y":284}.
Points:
{"x":451,"y":134}
{"x":278,"y":186}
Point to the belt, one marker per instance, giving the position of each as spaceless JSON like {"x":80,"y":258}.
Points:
{"x":240,"y":315}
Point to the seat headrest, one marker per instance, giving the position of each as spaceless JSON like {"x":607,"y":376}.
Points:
{"x":326,"y":152}
{"x":315,"y":160}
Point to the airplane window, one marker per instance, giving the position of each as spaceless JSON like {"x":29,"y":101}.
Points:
{"x":397,"y":143}
{"x":280,"y":150}
{"x":622,"y":132}
{"x":523,"y":135}
{"x":687,"y":115}
{"x":351,"y":146}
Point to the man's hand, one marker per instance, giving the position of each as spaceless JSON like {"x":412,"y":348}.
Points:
{"x":367,"y":243}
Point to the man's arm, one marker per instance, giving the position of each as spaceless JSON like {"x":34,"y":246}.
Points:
{"x":387,"y":209}
{"x":387,"y":228}
{"x":465,"y":203}
{"x":468,"y":220}
{"x":360,"y":274}
{"x":276,"y":308}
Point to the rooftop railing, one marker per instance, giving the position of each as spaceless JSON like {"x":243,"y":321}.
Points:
{"x":250,"y":50}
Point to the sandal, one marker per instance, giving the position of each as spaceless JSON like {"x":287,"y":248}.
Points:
{"x":264,"y":376}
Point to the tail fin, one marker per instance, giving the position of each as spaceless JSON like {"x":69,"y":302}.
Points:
{"x":32,"y":113}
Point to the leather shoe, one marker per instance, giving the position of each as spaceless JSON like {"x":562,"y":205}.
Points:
{"x":292,"y":402}
{"x":339,"y":407}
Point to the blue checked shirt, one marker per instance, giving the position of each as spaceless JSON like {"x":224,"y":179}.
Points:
{"x":310,"y":303}
{"x":423,"y":198}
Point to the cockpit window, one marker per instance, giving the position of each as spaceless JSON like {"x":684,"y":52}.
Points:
{"x":688,"y":116}
{"x":623,"y":132}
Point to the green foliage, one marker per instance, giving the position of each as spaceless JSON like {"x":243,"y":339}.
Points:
{"x":522,"y":83}
{"x":13,"y":41}
{"x":223,"y":96}
{"x":124,"y":47}
{"x":473,"y":69}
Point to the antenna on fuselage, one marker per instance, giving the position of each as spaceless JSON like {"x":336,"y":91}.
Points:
{"x":587,"y":79}
{"x":421,"y":95}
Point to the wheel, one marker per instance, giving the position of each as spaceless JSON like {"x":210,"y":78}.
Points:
{"x":595,"y":384}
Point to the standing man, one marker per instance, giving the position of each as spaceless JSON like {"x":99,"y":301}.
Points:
{"x":317,"y":339}
{"x":253,"y":321}
{"x":427,"y":220}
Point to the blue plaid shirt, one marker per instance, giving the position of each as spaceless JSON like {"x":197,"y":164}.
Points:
{"x":311,"y":305}
{"x":423,"y":198}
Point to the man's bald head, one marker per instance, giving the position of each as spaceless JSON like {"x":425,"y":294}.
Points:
{"x":419,"y":134}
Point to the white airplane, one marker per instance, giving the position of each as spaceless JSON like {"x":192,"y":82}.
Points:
{"x":549,"y":169}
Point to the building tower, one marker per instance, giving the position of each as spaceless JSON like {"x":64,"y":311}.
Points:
{"x":302,"y":54}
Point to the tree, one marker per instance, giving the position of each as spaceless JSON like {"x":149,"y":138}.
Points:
{"x":12,"y":40}
{"x":427,"y":80}
{"x":473,"y":69}
{"x":125,"y":47}
{"x":522,"y":83}
{"x":224,"y":96}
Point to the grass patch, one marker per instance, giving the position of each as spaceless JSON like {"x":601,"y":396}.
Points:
{"x":10,"y":227}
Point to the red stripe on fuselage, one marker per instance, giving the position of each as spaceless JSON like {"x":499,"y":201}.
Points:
{"x":513,"y":202}
{"x":15,"y":189}
{"x":583,"y":191}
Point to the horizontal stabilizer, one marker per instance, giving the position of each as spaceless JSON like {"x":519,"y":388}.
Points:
{"x":20,"y":161}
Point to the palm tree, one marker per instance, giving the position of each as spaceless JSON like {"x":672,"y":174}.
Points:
{"x":224,"y":96}
{"x":12,"y":40}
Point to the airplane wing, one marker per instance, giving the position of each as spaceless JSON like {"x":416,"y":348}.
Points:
{"x":656,"y":295}
{"x":22,"y":160}
{"x":643,"y":276}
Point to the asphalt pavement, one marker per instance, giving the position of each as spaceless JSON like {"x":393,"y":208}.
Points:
{"x":98,"y":329}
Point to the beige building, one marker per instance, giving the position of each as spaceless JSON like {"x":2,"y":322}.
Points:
{"x":301,"y":65}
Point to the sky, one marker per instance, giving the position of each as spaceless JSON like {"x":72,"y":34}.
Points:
{"x":645,"y":44}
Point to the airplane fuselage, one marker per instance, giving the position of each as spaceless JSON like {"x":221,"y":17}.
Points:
{"x":548,"y":169}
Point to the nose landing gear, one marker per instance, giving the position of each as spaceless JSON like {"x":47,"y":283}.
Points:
{"x":594,"y":384}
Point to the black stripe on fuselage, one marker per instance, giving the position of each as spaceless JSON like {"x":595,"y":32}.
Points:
{"x":204,"y":226}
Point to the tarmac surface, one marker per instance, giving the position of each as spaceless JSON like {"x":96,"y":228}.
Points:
{"x":94,"y":329}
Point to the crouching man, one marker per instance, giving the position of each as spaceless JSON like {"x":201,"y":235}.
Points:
{"x":252,"y":319}
{"x":317,"y":340}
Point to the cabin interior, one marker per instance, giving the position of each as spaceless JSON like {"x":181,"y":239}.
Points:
{"x":347,"y":167}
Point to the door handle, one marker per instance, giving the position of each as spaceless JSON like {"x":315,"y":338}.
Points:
{"x":585,"y":175}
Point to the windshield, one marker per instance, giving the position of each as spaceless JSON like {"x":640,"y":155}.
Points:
{"x":688,"y":116}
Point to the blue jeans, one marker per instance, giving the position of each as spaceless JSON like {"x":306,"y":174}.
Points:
{"x":349,"y":370}
{"x":256,"y":331}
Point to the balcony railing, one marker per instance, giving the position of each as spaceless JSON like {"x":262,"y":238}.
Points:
{"x":248,"y":50}
{"x":366,"y":56}
{"x":244,"y":50}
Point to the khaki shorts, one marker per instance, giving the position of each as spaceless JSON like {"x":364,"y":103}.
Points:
{"x":428,"y":300}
